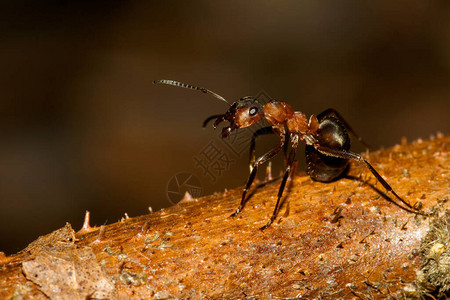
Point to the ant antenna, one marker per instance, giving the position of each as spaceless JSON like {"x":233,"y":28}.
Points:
{"x":191,"y":87}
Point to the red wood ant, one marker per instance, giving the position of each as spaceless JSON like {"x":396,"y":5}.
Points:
{"x":326,"y":137}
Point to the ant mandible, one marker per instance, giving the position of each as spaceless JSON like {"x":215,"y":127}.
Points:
{"x":325,"y":135}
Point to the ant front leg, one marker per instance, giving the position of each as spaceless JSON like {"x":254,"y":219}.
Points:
{"x":259,"y":132}
{"x":254,"y":167}
{"x":353,"y":156}
{"x":291,"y":158}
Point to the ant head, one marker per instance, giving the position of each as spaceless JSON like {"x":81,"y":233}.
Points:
{"x":242,"y":113}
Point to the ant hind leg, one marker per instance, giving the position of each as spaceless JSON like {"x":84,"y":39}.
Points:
{"x":356,"y":157}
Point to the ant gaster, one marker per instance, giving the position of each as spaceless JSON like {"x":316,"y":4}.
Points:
{"x":325,"y":135}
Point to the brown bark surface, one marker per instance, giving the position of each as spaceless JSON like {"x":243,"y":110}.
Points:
{"x":341,"y":239}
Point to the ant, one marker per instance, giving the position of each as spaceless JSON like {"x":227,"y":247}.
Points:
{"x":325,"y":135}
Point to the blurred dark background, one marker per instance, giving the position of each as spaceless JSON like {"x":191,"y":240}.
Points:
{"x":82,"y":127}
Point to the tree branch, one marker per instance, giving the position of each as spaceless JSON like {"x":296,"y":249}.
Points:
{"x":341,"y":239}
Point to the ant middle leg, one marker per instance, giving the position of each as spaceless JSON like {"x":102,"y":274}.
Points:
{"x":290,"y":162}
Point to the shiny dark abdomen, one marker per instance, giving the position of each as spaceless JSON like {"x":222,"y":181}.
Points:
{"x":331,"y":134}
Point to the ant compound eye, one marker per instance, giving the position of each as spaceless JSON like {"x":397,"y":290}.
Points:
{"x":247,"y":114}
{"x":253,"y":111}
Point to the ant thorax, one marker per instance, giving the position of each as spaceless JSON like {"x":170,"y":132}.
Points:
{"x":277,"y":112}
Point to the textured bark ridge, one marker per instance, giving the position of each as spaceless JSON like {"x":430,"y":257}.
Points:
{"x":338,"y":240}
